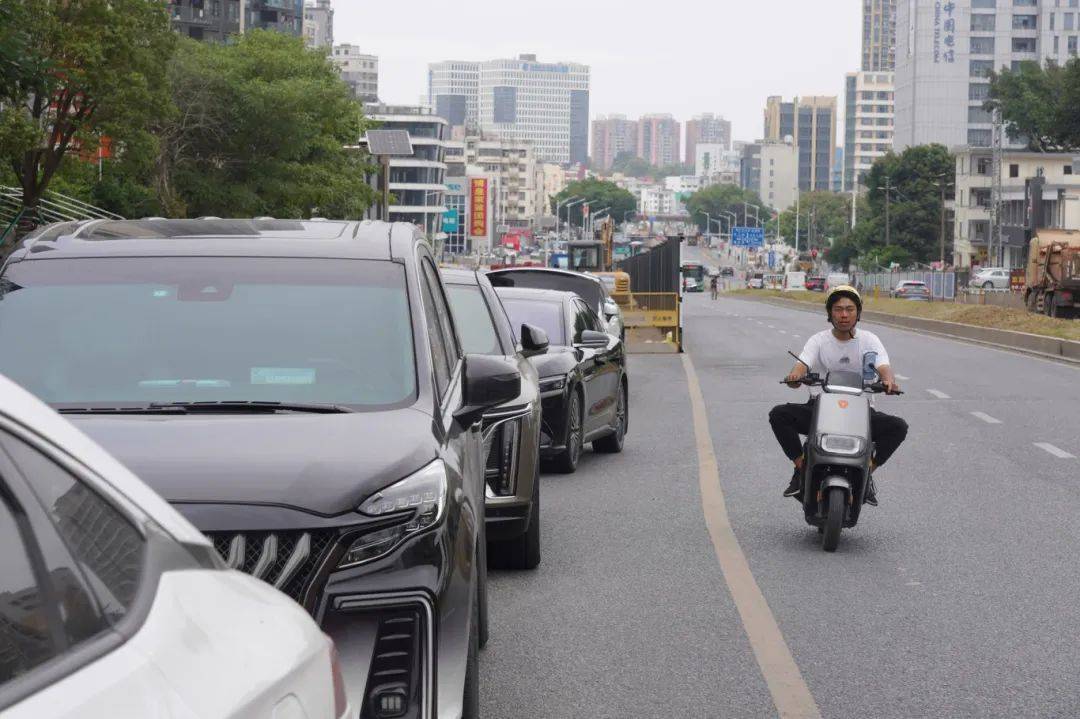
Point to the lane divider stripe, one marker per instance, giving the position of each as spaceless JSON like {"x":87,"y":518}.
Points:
{"x":938,"y":393}
{"x":1059,"y":453}
{"x":986,"y":418}
{"x":790,"y":694}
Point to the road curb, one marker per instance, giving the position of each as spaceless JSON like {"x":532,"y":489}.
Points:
{"x":1052,"y":348}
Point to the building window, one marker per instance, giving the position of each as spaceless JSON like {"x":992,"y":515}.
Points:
{"x":982,"y":46}
{"x":1068,"y":169}
{"x":983,"y":23}
{"x":1014,"y":170}
{"x":1070,"y":20}
{"x":1025,"y":22}
{"x":1072,"y":44}
{"x":1025,"y":3}
{"x":980,"y":138}
{"x":984,"y":166}
{"x":978,"y":91}
{"x":981,"y":68}
{"x":978,"y":114}
{"x":1022,"y":44}
{"x":984,"y":4}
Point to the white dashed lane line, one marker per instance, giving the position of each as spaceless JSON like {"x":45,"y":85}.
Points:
{"x":986,"y":418}
{"x":1059,"y":453}
{"x":938,"y":393}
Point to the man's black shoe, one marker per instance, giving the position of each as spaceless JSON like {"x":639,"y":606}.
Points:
{"x":871,"y":493}
{"x":794,"y":488}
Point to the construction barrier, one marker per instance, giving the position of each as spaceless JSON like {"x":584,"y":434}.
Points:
{"x":652,"y":318}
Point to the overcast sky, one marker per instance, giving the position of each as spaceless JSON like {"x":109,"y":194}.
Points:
{"x":684,"y":57}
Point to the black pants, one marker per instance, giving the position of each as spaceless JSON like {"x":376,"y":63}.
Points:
{"x":791,"y":420}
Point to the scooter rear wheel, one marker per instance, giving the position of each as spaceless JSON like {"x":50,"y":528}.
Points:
{"x":834,"y":519}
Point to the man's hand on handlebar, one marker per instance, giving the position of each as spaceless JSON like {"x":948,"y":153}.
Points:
{"x":795,"y":376}
{"x":891,"y":386}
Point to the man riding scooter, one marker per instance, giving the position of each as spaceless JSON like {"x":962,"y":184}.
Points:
{"x":840,"y":348}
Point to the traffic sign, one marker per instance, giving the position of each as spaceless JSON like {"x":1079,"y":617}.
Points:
{"x":450,"y":221}
{"x":748,"y":236}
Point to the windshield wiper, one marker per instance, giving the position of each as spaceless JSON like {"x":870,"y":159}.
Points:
{"x":209,"y":407}
{"x":252,"y":406}
{"x":122,"y":410}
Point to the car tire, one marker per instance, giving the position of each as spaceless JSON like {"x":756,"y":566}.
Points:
{"x":567,"y":461}
{"x":470,"y":700}
{"x":613,"y":443}
{"x":988,"y":285}
{"x":522,"y":553}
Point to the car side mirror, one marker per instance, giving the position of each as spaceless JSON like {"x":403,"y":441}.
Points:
{"x":593,"y":339}
{"x":534,"y":341}
{"x":489,"y":380}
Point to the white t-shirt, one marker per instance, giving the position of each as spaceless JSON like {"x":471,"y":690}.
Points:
{"x":824,"y":353}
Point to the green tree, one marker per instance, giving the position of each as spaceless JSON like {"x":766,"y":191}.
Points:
{"x":94,"y":68}
{"x":717,"y":199}
{"x":824,"y":217}
{"x":1039,"y":103}
{"x":260,"y":129}
{"x":912,"y":181}
{"x":629,"y":164}
{"x":598,"y":194}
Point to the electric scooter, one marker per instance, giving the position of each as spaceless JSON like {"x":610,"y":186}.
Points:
{"x":838,"y":450}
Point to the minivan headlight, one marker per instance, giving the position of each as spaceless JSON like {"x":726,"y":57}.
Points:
{"x":552,"y":384}
{"x":419,"y":499}
{"x":841,"y":444}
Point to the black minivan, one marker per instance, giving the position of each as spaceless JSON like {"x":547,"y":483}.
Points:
{"x":299,"y":391}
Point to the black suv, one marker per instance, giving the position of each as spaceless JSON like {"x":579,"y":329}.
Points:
{"x":298,"y":390}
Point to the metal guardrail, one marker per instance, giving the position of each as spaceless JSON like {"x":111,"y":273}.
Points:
{"x":53,"y":207}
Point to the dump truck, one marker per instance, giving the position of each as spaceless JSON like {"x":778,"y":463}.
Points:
{"x":1052,"y":281}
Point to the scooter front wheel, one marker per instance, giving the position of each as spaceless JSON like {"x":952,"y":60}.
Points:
{"x":834,"y":519}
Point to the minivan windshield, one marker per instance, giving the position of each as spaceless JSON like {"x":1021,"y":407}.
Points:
{"x":107,"y":331}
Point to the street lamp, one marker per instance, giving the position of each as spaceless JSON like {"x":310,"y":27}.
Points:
{"x":757,"y":218}
{"x":594,"y":215}
{"x":568,"y":206}
{"x":943,"y":184}
{"x":558,"y":211}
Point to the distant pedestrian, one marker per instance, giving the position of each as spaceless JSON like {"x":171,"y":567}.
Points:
{"x":714,"y":285}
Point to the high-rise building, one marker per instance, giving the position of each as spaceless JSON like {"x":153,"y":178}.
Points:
{"x":454,"y":92}
{"x":216,"y":20}
{"x":868,"y":123}
{"x":811,"y":123}
{"x":946,"y":52}
{"x":770,"y":168}
{"x":359,"y":71}
{"x":545,"y":104}
{"x":707,"y":128}
{"x":512,"y":166}
{"x":879,"y":35}
{"x":417,"y":182}
{"x":659,"y":140}
{"x":612,"y":136}
{"x":319,"y":24}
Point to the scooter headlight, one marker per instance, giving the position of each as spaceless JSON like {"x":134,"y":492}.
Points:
{"x":841,"y":444}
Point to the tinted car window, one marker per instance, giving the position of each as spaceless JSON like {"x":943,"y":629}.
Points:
{"x":545,"y":314}
{"x":25,"y":637}
{"x":139,"y":330}
{"x":473,"y":320}
{"x":440,"y":360}
{"x":446,"y":322}
{"x":107,"y":547}
{"x":581,"y":319}
{"x":587,"y":288}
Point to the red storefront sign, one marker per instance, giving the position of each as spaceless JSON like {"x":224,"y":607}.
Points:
{"x":478,"y":219}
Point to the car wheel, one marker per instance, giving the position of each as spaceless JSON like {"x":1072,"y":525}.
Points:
{"x":567,"y":461}
{"x":613,"y":443}
{"x":988,"y":285}
{"x":470,"y":700}
{"x":522,"y":552}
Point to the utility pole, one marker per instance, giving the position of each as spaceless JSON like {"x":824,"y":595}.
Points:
{"x":796,"y":225}
{"x":942,"y":258}
{"x":888,"y":195}
{"x":854,"y":198}
{"x":996,"y":193}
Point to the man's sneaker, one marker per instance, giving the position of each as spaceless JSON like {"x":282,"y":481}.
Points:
{"x":794,"y":488}
{"x":871,"y":493}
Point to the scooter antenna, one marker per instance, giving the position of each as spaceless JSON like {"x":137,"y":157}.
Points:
{"x":798,"y":359}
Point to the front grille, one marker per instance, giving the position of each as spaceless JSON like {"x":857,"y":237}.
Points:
{"x":288,"y":560}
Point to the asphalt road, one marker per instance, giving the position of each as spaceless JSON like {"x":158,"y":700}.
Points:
{"x":958,"y":597}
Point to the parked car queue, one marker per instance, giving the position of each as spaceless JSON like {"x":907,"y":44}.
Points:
{"x":322,"y":409}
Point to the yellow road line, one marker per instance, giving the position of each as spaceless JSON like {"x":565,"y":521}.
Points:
{"x":786,"y":684}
